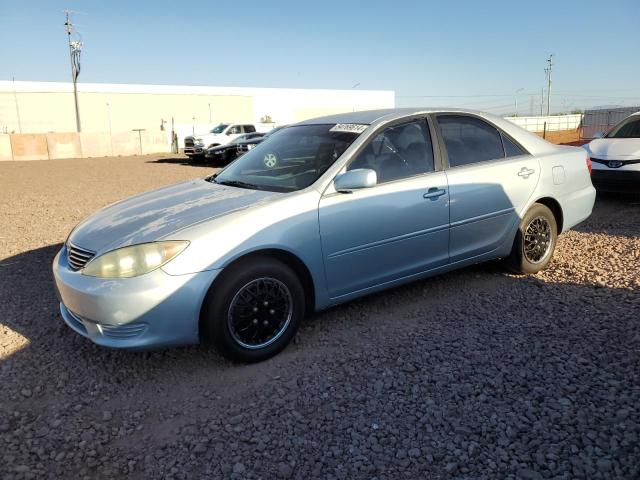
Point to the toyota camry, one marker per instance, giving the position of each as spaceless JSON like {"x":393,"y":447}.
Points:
{"x":616,"y":157}
{"x":320,"y":213}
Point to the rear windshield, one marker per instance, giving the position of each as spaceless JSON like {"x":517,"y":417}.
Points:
{"x":288,"y":160}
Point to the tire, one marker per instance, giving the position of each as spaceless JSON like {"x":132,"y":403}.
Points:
{"x":247,"y":287}
{"x":529,"y":253}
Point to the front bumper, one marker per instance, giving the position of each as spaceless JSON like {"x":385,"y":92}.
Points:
{"x":194,"y":150}
{"x":150,"y":311}
{"x":611,"y":180}
{"x":214,"y":154}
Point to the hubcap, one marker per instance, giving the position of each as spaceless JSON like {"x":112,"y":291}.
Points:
{"x":260,"y":313}
{"x":537,"y":240}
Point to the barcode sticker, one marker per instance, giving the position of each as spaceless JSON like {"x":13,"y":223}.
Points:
{"x":348,"y":127}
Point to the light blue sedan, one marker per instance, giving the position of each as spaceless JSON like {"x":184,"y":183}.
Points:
{"x":322,"y":212}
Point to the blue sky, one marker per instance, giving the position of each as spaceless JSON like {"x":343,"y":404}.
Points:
{"x":458,"y":53}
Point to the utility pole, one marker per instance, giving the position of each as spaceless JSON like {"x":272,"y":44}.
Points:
{"x":515,"y":97}
{"x":541,"y":101}
{"x":531,"y":112}
{"x":548,"y":72}
{"x":15,"y":99}
{"x":75,"y":47}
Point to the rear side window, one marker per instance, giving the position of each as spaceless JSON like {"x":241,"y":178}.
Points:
{"x":510,"y":148}
{"x":469,"y":140}
{"x":249,"y":128}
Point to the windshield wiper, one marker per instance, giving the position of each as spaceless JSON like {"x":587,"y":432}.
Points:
{"x":237,"y":183}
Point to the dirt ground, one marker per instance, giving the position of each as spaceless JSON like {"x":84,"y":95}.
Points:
{"x":564,"y":137}
{"x":475,"y":374}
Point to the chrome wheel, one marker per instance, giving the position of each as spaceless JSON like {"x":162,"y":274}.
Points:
{"x":260,"y":313}
{"x":538,"y":240}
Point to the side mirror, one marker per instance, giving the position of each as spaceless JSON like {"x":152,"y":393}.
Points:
{"x":598,"y":135}
{"x":355,"y":179}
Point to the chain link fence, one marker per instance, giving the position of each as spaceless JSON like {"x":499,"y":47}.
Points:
{"x":602,"y":120}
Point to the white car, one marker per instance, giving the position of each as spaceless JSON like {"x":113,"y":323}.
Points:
{"x":195,"y":146}
{"x":616,"y":157}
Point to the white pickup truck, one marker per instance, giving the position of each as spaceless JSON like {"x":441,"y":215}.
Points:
{"x":195,"y":146}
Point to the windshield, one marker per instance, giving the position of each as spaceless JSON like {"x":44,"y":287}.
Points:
{"x":629,"y":128}
{"x":220,"y":128}
{"x":291,"y":159}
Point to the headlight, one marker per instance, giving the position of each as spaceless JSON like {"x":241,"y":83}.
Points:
{"x":134,"y":260}
{"x":250,"y":146}
{"x":199,"y":141}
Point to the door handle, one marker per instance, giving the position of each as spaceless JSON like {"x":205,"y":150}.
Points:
{"x":526,"y":172}
{"x":434,"y":193}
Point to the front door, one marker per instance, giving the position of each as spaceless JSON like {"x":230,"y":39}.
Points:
{"x":399,"y":227}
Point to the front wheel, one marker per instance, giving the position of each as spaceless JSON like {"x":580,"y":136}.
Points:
{"x":535,"y":241}
{"x":253,"y":309}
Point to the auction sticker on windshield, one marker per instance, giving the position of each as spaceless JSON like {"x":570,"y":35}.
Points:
{"x":348,"y":127}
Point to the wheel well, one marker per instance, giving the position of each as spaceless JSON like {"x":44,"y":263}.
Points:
{"x":285,"y":257}
{"x":555,"y":208}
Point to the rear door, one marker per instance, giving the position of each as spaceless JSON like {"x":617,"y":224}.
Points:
{"x":491,"y":178}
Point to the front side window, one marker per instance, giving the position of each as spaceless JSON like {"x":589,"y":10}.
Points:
{"x":398,"y":152}
{"x":235,"y":130}
{"x":629,"y":128}
{"x":469,"y":140}
{"x":291,"y":159}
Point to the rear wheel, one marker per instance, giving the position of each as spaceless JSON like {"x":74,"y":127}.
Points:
{"x":254,"y":309}
{"x":535,"y":241}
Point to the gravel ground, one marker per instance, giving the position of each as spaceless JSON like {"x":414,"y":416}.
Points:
{"x":471,"y":375}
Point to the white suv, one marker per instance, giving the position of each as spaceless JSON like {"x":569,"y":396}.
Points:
{"x":195,"y":146}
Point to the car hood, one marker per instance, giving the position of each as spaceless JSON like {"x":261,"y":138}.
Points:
{"x":153,"y":215}
{"x":615,"y":148}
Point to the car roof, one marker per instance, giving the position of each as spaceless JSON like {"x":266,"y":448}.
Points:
{"x":530,"y":141}
{"x":368,"y":117}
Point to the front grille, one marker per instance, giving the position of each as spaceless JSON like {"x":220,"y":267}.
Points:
{"x":622,"y":163}
{"x":78,"y":257}
{"x":616,"y":180}
{"x":188,"y":142}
